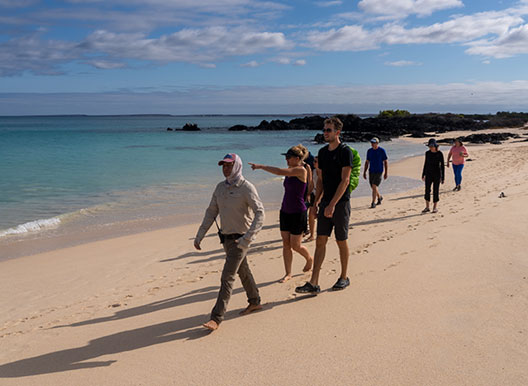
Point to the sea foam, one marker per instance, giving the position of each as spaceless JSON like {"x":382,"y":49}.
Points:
{"x":32,"y":226}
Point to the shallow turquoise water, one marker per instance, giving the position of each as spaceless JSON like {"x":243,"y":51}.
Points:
{"x":111,"y":169}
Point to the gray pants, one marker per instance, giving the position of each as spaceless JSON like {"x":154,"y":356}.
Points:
{"x":236,"y":262}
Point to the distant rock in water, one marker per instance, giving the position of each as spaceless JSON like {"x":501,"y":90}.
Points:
{"x":170,"y":129}
{"x":190,"y":127}
{"x":392,"y":124}
{"x":315,"y":122}
{"x":276,"y":124}
{"x":240,"y":128}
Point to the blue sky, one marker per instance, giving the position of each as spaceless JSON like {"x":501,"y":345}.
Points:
{"x":252,"y":56}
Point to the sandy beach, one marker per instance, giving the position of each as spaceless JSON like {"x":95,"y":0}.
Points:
{"x":435,"y":299}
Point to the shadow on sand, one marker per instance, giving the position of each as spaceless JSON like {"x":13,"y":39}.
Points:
{"x":81,"y":357}
{"x":195,"y":296}
{"x":219,"y":253}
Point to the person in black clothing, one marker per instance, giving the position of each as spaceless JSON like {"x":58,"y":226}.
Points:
{"x":433,"y":174}
{"x":333,"y":178}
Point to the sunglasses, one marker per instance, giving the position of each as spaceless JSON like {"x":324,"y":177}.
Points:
{"x":327,"y":130}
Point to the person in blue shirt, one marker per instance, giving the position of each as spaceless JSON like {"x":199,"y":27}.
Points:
{"x":377,"y":164}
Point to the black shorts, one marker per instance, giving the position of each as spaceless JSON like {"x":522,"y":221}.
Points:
{"x":311,"y":200}
{"x":375,"y":179}
{"x":339,"y":220}
{"x":295,"y":223}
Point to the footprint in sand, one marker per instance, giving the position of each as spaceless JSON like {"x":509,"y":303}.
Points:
{"x":392,"y":265}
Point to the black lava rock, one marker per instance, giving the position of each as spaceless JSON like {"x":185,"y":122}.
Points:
{"x":190,"y":127}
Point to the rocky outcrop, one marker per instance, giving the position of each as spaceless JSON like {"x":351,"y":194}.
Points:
{"x":190,"y":127}
{"x":387,"y":126}
{"x":480,"y":138}
{"x":240,"y":128}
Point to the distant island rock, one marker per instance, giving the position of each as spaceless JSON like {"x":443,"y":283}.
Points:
{"x":190,"y":127}
{"x":480,"y":138}
{"x":396,"y":123}
{"x":186,"y":127}
{"x":390,"y":124}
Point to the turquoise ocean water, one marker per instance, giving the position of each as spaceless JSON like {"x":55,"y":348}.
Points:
{"x":84,"y":172}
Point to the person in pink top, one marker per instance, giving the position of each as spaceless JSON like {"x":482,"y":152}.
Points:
{"x":459,"y":154}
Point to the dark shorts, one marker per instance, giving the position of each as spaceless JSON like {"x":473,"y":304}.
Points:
{"x":375,"y":178}
{"x":295,"y":223}
{"x":311,"y":200}
{"x":338,"y":222}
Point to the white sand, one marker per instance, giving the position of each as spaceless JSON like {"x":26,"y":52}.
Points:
{"x":436,"y":299}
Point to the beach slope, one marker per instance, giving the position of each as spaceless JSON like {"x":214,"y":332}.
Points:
{"x":435,"y":299}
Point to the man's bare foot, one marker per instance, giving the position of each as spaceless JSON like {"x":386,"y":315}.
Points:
{"x":211,"y":325}
{"x":249,"y":309}
{"x":285,"y":279}
{"x":308,"y":265}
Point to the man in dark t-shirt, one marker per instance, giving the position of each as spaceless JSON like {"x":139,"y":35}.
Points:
{"x":335,"y":165}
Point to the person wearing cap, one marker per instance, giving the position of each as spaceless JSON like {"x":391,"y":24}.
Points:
{"x":241,"y":217}
{"x":292,"y":215}
{"x":433,"y":174}
{"x":377,"y":165}
{"x":333,"y":178}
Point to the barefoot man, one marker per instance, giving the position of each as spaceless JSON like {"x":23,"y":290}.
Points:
{"x":335,"y":164}
{"x":234,"y":199}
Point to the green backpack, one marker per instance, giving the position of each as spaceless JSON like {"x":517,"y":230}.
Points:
{"x":356,"y":168}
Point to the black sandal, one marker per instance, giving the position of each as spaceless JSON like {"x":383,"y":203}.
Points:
{"x":308,"y":288}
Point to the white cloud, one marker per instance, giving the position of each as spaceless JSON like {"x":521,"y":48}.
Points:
{"x":403,"y":8}
{"x":510,"y":43}
{"x":200,"y":46}
{"x":328,"y":3}
{"x":149,"y":15}
{"x":31,"y":54}
{"x":282,"y":60}
{"x":251,"y":64}
{"x":510,"y":38}
{"x":299,"y":62}
{"x":459,"y":29}
{"x":188,"y":45}
{"x":403,"y":63}
{"x":211,"y":6}
{"x":348,"y":38}
{"x":105,"y":65}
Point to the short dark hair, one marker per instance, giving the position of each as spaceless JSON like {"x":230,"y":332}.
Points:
{"x":335,"y":121}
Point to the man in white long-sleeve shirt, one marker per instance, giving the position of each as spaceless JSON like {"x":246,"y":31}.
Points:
{"x":234,"y":199}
